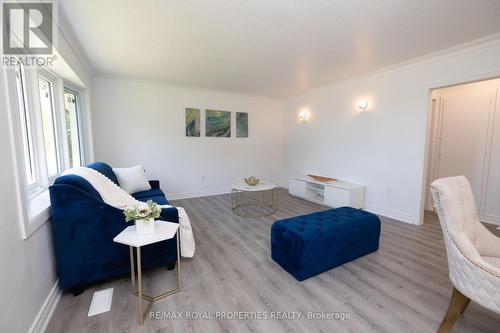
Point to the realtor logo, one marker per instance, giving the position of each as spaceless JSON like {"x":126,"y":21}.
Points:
{"x":27,"y":27}
{"x":28,"y":33}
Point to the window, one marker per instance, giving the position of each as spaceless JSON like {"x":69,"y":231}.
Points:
{"x":72,"y":121}
{"x":27,"y":137}
{"x":47,"y":134}
{"x":50,"y":127}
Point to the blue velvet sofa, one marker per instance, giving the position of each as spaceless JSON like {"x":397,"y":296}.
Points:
{"x":84,"y":227}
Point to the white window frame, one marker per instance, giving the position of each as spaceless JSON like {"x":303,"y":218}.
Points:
{"x":34,"y":201}
{"x":26,"y":128}
{"x":57,"y":97}
{"x":68,"y":86}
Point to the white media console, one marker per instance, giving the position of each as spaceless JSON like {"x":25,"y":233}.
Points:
{"x":333,"y":193}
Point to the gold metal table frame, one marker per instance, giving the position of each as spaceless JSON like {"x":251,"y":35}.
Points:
{"x":264,"y":202}
{"x":137,"y":289}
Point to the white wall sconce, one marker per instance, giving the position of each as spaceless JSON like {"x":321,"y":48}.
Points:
{"x":303,"y":115}
{"x":363,"y":105}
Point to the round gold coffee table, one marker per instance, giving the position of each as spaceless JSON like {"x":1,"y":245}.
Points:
{"x":254,"y":201}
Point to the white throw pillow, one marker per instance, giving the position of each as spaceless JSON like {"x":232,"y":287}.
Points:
{"x":133,"y":179}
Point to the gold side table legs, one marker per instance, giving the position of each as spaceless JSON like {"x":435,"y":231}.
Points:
{"x":137,"y":289}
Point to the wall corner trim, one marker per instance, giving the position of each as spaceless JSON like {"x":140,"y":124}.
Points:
{"x":43,"y":317}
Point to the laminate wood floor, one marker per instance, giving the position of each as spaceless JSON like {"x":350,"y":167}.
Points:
{"x":404,"y":287}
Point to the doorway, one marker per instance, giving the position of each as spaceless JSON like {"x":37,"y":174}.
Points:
{"x":465,"y":140}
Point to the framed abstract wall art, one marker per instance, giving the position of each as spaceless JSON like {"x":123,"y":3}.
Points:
{"x":218,"y":123}
{"x":192,"y":122}
{"x":241,"y":124}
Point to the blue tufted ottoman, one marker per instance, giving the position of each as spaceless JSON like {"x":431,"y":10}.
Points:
{"x":311,"y":244}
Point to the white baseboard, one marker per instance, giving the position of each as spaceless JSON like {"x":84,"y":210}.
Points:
{"x":489,"y":219}
{"x":393,"y":214}
{"x":42,"y":319}
{"x":195,"y":194}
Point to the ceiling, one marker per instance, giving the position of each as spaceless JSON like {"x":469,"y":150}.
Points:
{"x":274,"y":48}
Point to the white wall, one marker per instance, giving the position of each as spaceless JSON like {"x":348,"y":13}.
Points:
{"x":136,"y":122}
{"x":27,"y":270}
{"x":27,"y":266}
{"x":385,"y":147}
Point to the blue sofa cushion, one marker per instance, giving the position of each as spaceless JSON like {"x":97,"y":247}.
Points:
{"x":160,"y":200}
{"x":154,"y":192}
{"x":105,"y":170}
{"x":311,"y":244}
{"x":154,"y":183}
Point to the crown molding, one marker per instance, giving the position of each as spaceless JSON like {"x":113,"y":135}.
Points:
{"x":450,"y":52}
{"x":179,"y":86}
{"x":475,"y":45}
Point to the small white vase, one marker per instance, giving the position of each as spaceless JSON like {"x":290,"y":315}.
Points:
{"x":144,"y":227}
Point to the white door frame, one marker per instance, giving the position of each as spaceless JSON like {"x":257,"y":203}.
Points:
{"x":437,"y":104}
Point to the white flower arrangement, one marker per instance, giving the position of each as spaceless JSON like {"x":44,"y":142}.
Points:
{"x":147,"y":211}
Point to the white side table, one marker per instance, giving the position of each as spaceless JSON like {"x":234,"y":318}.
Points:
{"x":163,"y":231}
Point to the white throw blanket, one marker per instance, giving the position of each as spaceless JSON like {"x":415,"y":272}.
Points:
{"x":115,"y":196}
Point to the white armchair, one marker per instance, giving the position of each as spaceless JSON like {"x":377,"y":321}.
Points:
{"x":473,"y":252}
